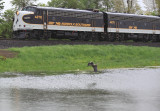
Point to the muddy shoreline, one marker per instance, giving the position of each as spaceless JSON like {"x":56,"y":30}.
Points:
{"x":5,"y":44}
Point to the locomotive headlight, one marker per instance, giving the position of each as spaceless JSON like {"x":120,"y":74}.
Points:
{"x":17,"y":12}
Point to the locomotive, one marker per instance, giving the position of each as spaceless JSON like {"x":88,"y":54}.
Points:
{"x":61,"y":23}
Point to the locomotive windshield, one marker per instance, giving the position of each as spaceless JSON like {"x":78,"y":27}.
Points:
{"x":32,"y":9}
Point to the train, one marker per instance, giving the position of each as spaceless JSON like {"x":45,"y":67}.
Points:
{"x":36,"y":22}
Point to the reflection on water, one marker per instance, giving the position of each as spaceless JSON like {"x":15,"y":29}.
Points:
{"x":114,"y":90}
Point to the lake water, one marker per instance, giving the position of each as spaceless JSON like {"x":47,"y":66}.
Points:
{"x":113,"y":90}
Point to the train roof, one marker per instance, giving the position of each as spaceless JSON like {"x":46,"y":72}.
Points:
{"x":87,"y":11}
{"x":63,"y":9}
{"x":133,"y":15}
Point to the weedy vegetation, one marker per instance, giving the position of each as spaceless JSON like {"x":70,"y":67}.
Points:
{"x":67,"y":58}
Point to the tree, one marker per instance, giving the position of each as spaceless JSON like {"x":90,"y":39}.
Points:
{"x":133,"y":7}
{"x":9,"y":15}
{"x":1,"y":4}
{"x":76,"y":4}
{"x":42,"y":4}
{"x":108,"y":5}
{"x":97,"y":4}
{"x":104,"y":5}
{"x":64,"y":3}
{"x":129,"y":5}
{"x":154,"y":2}
{"x":70,"y":4}
{"x":22,"y":3}
{"x":55,"y":3}
{"x":88,"y":4}
{"x":119,"y":6}
{"x":7,"y":23}
{"x":115,"y":6}
{"x":158,"y":6}
{"x":154,"y":9}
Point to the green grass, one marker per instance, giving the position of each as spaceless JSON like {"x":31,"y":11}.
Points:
{"x":66,"y":58}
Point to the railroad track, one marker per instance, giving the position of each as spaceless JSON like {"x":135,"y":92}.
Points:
{"x":8,"y":43}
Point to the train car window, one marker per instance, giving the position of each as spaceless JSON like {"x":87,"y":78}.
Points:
{"x":53,"y":19}
{"x":141,"y":19}
{"x":98,"y":16}
{"x":73,"y":14}
{"x":133,"y":23}
{"x":145,"y":24}
{"x":59,"y":13}
{"x":79,"y":15}
{"x":24,"y":9}
{"x":149,"y":20}
{"x":153,"y":20}
{"x":116,"y":17}
{"x":70,"y":14}
{"x":62,"y":14}
{"x":66,"y":14}
{"x":76,"y":14}
{"x":82,"y":15}
{"x":32,"y":9}
{"x":87,"y":21}
{"x":89,"y":16}
{"x":38,"y":12}
{"x":44,"y":12}
{"x":85,"y":15}
{"x":93,"y":16}
{"x":125,"y":18}
{"x":55,"y":13}
{"x":50,"y":13}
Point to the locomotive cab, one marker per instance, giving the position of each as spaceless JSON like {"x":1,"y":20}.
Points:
{"x":29,"y":9}
{"x":22,"y":20}
{"x":46,"y":22}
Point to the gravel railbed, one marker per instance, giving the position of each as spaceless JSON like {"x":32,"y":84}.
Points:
{"x":4,"y":44}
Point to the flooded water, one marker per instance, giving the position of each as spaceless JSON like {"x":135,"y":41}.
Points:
{"x":113,"y":90}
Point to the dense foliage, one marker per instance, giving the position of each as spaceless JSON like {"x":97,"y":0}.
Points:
{"x":6,"y":24}
{"x":103,"y":5}
{"x":158,"y":6}
{"x":1,"y":5}
{"x":22,"y":3}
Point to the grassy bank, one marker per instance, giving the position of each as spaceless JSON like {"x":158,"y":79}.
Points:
{"x":63,"y":58}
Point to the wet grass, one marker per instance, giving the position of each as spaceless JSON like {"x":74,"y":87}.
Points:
{"x":70,"y":58}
